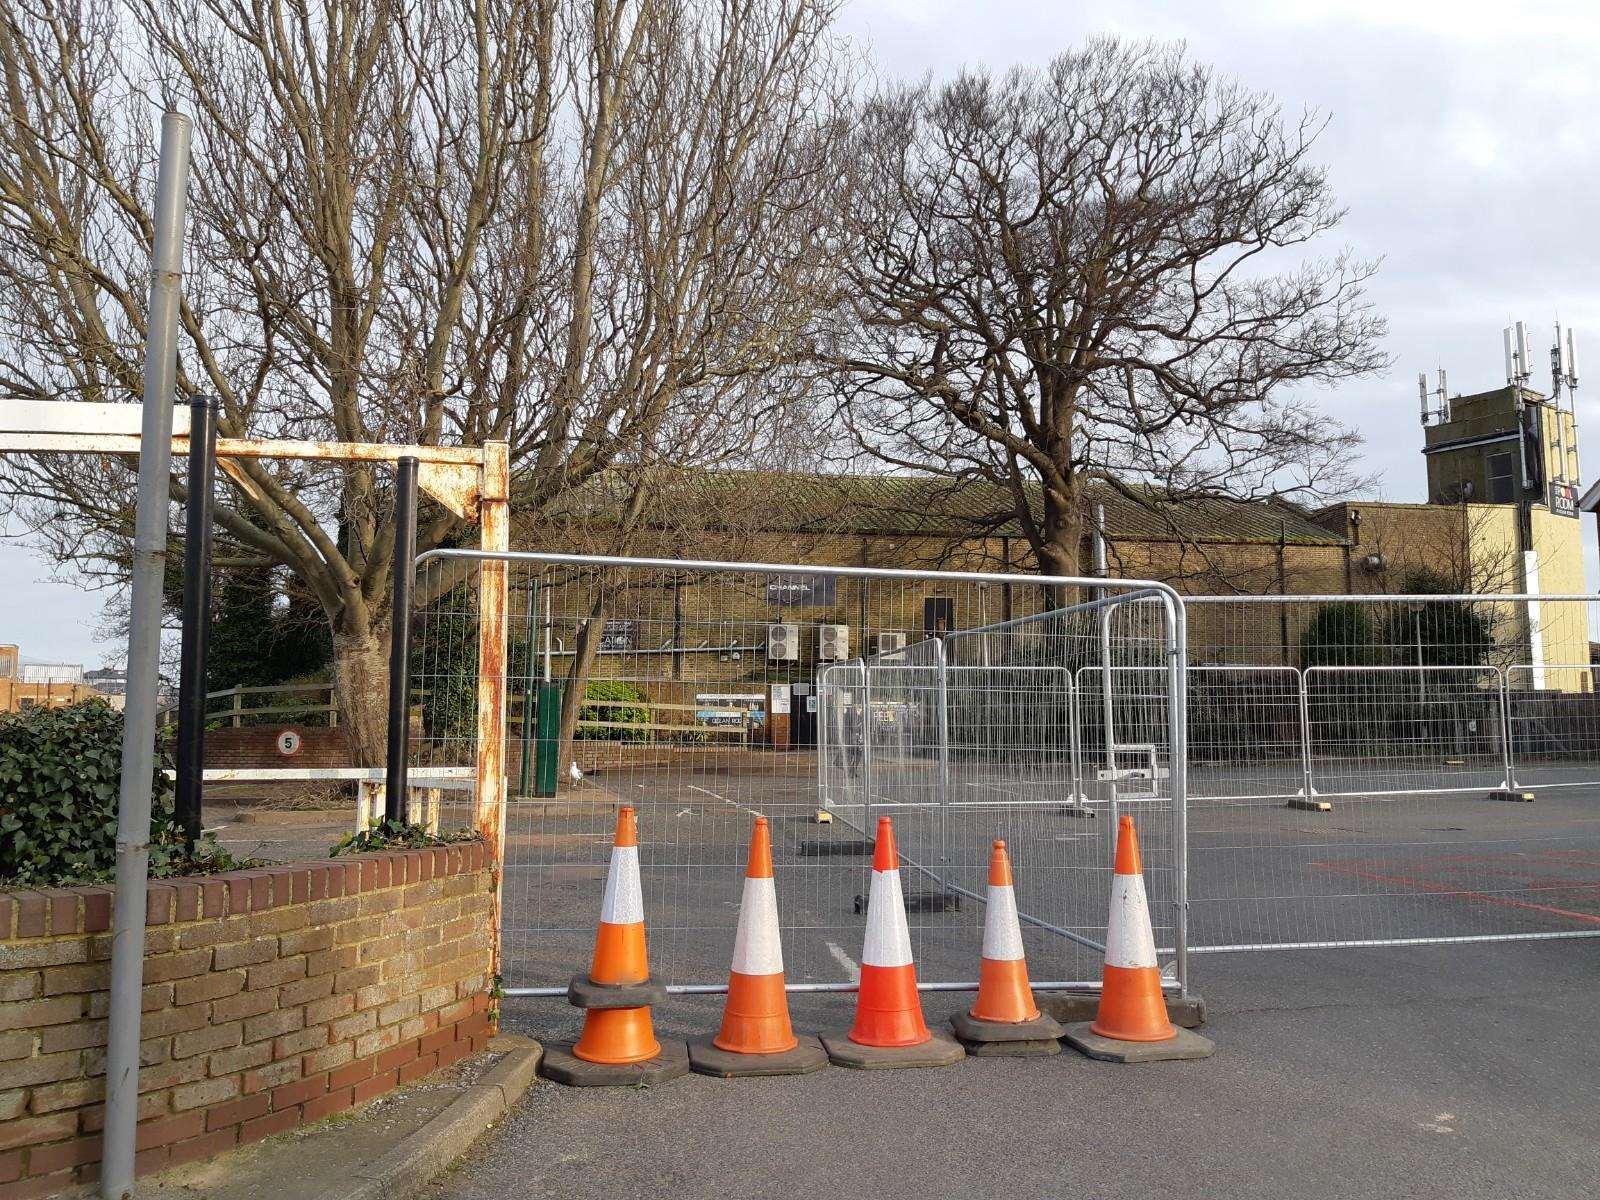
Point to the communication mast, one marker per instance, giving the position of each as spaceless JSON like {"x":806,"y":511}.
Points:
{"x":1564,"y":377}
{"x":1441,"y":412}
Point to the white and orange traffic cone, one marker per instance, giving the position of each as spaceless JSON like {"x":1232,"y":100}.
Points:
{"x":618,"y":1044}
{"x":1132,"y":1008}
{"x":889,"y":1029}
{"x":1004,"y":1019}
{"x":757,"y":1037}
{"x":1132,"y":1024}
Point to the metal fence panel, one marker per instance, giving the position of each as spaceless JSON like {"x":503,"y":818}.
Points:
{"x":972,"y":738}
{"x":702,"y":710}
{"x":1417,"y":710}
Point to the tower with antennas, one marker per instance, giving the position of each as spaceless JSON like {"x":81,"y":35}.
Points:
{"x":1512,"y":445}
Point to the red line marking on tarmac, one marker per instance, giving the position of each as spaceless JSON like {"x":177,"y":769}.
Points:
{"x":1427,"y":885}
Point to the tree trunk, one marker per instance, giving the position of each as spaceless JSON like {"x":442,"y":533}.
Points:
{"x":361,"y":690}
{"x":1060,"y":546}
{"x":577,"y":685}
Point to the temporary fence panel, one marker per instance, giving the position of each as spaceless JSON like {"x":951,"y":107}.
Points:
{"x":692,"y":693}
{"x":973,"y":737}
{"x":1415,"y":710}
{"x":1554,"y":730}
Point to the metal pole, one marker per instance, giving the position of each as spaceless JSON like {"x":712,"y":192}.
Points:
{"x":403,"y":572}
{"x":530,"y":642}
{"x":944,"y":746}
{"x":1107,"y":710}
{"x":1505,"y":729}
{"x":144,"y":649}
{"x":196,"y":617}
{"x":1178,"y":770}
{"x":1305,"y":734}
{"x":866,"y":747}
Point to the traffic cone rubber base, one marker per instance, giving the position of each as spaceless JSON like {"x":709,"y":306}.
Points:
{"x":1071,"y":1007}
{"x":561,"y":1065}
{"x":583,"y":992}
{"x":1013,"y":1039}
{"x":940,"y":1050}
{"x":1184,"y":1044}
{"x":706,"y":1058}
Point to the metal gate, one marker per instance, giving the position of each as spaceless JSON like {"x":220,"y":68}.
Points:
{"x":956,"y":688}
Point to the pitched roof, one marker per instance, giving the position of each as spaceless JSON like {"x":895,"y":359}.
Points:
{"x":930,"y":506}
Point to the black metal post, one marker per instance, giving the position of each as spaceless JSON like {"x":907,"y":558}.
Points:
{"x":196,"y":617}
{"x":525,"y":775}
{"x":405,"y":554}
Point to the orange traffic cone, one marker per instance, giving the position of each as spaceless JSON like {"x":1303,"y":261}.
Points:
{"x":1004,"y":1019}
{"x":888,"y":1009}
{"x":1132,"y":1008}
{"x":618,"y":1045}
{"x":756,"y":1037}
{"x":620,"y":1035}
{"x":889,"y":1029}
{"x":1003,"y":991}
{"x":755,"y":1018}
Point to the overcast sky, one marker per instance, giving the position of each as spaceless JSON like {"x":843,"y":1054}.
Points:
{"x":1461,"y":141}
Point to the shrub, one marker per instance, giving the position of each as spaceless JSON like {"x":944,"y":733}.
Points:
{"x":59,"y":779}
{"x":1439,"y":633}
{"x":1339,"y":635}
{"x":634,"y":712}
{"x":396,"y":835}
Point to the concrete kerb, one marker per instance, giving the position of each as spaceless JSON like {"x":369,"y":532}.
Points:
{"x":409,"y":1167}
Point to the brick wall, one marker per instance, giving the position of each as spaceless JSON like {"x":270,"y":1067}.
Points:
{"x":272,"y":998}
{"x":257,"y":746}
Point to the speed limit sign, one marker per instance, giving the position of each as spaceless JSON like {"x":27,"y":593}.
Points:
{"x":288,"y":743}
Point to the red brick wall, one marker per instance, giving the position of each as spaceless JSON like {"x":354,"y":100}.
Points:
{"x":257,"y":746}
{"x":272,"y":998}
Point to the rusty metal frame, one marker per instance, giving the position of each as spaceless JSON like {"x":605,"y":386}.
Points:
{"x":474,"y":482}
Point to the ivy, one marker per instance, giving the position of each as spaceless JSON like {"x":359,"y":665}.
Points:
{"x":60,"y":777}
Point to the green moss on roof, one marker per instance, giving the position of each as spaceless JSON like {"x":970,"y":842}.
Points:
{"x":927,"y":506}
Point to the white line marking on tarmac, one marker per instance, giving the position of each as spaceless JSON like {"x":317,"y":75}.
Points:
{"x":845,"y":961}
{"x":695,"y":787}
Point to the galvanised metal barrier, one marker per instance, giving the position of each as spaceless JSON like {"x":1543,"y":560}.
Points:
{"x":1401,"y":716}
{"x":698,"y":692}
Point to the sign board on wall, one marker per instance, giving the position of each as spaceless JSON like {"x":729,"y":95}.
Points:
{"x":780,"y":698}
{"x":618,"y":637}
{"x":1563,"y":500}
{"x":794,"y":589}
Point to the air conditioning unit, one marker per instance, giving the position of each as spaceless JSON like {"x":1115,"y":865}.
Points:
{"x":783,"y":643}
{"x":833,"y":642}
{"x":890,"y":643}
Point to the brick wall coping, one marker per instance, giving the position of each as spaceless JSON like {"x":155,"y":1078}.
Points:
{"x":57,"y":912}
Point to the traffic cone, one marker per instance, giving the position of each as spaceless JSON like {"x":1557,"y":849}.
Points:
{"x":888,"y":1009}
{"x":1004,"y":1019}
{"x":889,"y":1029}
{"x":1132,"y":1024}
{"x":620,"y":1035}
{"x":618,"y":1044}
{"x":756,"y":1036}
{"x":1003,"y":991}
{"x":1132,"y":1008}
{"x":755,"y":1018}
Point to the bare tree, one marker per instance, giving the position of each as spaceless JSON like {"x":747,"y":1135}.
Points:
{"x":582,"y":228}
{"x":1088,"y":273}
